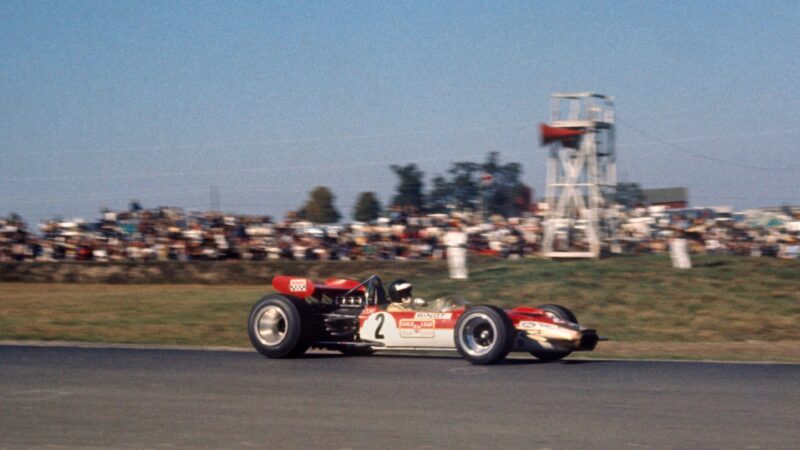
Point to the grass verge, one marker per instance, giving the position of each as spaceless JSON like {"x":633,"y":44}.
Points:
{"x":724,"y":308}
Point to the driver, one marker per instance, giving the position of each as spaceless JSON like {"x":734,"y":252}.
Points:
{"x":400,"y":295}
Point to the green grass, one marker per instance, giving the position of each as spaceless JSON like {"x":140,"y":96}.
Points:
{"x":644,"y":298}
{"x":636,"y":299}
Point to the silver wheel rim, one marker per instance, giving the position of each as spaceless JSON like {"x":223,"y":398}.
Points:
{"x":271,"y":325}
{"x":478,"y":334}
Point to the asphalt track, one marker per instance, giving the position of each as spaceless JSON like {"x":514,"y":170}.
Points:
{"x":124,"y":398}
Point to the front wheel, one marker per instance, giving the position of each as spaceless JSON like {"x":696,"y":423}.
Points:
{"x":280,"y":326}
{"x":484,"y":335}
{"x":555,"y":312}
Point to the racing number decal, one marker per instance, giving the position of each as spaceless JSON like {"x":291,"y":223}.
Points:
{"x":380,"y":318}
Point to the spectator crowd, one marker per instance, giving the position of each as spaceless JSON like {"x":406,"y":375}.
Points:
{"x":165,"y":234}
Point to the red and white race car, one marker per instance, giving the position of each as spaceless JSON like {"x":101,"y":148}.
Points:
{"x":357,"y":318}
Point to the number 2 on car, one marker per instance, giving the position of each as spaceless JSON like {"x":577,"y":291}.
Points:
{"x":380,"y":326}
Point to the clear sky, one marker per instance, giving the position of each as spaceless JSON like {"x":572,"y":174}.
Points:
{"x":102,"y":102}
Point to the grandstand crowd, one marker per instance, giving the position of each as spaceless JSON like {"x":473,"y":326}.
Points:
{"x":165,"y":234}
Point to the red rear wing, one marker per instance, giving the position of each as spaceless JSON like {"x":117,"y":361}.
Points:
{"x":342,"y":283}
{"x":300,"y":287}
{"x":304,"y":287}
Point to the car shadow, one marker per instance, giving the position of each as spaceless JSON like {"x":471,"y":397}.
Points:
{"x":321,"y":356}
{"x":511,"y":361}
{"x":539,"y":362}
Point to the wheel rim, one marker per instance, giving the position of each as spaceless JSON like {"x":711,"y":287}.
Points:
{"x":271,"y":325}
{"x":478,"y":334}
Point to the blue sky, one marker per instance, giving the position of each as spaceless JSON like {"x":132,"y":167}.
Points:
{"x":102,"y":102}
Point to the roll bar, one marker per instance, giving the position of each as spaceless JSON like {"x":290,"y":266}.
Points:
{"x":373,"y":283}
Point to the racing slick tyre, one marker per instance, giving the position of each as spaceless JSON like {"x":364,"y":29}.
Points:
{"x":280,"y":326}
{"x":558,"y":312}
{"x":484,"y":334}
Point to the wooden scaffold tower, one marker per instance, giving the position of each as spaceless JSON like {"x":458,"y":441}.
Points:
{"x":581,"y":175}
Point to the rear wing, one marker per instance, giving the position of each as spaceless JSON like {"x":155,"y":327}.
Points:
{"x":300,"y":287}
{"x":305,"y":287}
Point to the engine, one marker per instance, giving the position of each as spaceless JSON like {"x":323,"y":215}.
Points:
{"x":340,"y":322}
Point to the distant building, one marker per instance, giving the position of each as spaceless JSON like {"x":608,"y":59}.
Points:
{"x":673,"y":198}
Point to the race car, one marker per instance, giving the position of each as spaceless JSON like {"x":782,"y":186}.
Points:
{"x":358,"y":318}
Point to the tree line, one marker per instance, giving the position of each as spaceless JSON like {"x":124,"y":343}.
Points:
{"x":489,"y":187}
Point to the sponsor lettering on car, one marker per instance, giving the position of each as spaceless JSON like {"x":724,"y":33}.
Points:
{"x":413,"y":328}
{"x":433,"y":315}
{"x":530,"y":325}
{"x":298,"y":285}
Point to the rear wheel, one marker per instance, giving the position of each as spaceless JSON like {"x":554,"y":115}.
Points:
{"x":556,"y":312}
{"x":484,"y":335}
{"x":280,"y":326}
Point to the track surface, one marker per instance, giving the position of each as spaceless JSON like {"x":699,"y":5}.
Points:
{"x":122,"y":398}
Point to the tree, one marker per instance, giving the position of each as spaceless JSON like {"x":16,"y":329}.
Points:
{"x":367,"y":207}
{"x":465,"y":186}
{"x":15,"y":219}
{"x":630,"y":195}
{"x":409,"y":190}
{"x":475,"y":186}
{"x":523,"y":196}
{"x":504,"y":188}
{"x":440,"y":197}
{"x":319,"y":207}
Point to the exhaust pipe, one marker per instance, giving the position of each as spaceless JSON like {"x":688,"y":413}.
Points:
{"x":588,"y":339}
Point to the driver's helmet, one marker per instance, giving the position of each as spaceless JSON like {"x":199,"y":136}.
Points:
{"x":400,"y":290}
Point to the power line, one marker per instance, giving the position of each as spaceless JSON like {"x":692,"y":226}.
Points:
{"x":654,"y":139}
{"x":295,"y":141}
{"x":294,"y":168}
{"x":706,"y":138}
{"x":672,"y":145}
{"x":184,"y":192}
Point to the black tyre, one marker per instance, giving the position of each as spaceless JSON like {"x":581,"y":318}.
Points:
{"x":280,"y":326}
{"x":484,"y":335}
{"x":559,"y":312}
{"x":352,"y":350}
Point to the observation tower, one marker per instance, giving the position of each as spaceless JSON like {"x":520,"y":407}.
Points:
{"x":581,"y":175}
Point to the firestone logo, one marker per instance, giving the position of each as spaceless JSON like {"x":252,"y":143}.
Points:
{"x":532,"y":325}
